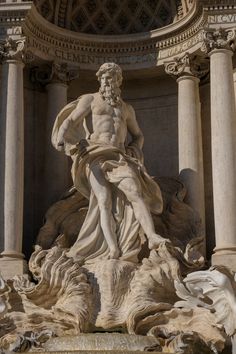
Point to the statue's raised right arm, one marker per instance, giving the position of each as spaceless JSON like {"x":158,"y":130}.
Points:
{"x":82,"y":109}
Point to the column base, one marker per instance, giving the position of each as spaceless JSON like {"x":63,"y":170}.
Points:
{"x":9,"y":267}
{"x":12,"y":254}
{"x":225,"y":258}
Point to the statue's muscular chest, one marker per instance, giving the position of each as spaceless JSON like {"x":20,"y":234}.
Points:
{"x":105,"y":117}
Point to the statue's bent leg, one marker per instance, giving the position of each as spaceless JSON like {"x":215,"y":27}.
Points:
{"x":102,"y":191}
{"x":132,"y":189}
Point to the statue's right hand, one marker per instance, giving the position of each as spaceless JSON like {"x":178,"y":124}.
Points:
{"x":60,"y":142}
{"x":60,"y":138}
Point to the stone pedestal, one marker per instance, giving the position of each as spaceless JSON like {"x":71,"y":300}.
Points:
{"x":223,"y":125}
{"x":9,"y":267}
{"x":98,"y":352}
{"x":102,"y":342}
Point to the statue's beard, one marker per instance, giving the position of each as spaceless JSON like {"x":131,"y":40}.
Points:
{"x":110,"y":94}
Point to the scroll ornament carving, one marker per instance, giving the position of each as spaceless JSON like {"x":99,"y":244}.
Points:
{"x":15,"y":50}
{"x":218,"y":39}
{"x":187,"y":65}
{"x":56,"y":72}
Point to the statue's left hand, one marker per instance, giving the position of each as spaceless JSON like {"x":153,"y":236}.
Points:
{"x":134,"y":151}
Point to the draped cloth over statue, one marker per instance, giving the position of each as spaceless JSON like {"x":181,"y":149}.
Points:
{"x":116,"y":166}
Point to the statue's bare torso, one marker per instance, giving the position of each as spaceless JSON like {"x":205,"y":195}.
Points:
{"x":109,"y":124}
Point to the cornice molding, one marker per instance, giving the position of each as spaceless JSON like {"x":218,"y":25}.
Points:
{"x":12,"y":16}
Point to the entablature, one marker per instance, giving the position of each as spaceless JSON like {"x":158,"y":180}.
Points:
{"x":135,"y":51}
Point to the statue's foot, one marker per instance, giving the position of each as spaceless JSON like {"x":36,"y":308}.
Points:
{"x":155,"y":240}
{"x":114,"y":253}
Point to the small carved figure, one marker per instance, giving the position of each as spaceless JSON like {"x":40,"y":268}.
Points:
{"x":106,"y":171}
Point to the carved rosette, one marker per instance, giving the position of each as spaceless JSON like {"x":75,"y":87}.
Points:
{"x":187,"y":65}
{"x":11,"y":49}
{"x":54,"y":72}
{"x":219,"y":39}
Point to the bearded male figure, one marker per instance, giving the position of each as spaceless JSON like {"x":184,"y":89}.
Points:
{"x":110,"y":174}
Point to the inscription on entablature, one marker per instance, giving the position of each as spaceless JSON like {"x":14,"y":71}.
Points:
{"x":181,"y":48}
{"x":80,"y":58}
{"x":223,"y":18}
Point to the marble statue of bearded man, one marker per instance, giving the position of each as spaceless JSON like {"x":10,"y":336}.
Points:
{"x":109,"y":173}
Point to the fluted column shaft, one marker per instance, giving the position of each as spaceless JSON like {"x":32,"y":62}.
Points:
{"x":187,"y":70}
{"x":190,"y":142}
{"x":223,"y":126}
{"x":13,"y":114}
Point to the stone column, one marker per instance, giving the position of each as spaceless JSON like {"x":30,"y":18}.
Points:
{"x":234,"y":78}
{"x":56,"y":164}
{"x":56,"y":174}
{"x":12,"y":115}
{"x":189,"y":131}
{"x":223,"y":128}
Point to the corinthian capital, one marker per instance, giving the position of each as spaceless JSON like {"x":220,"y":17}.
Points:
{"x":55,"y":72}
{"x":219,"y":39}
{"x":11,"y":49}
{"x":187,"y":65}
{"x":63,"y":72}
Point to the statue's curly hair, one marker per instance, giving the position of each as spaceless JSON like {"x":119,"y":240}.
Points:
{"x":111,"y":68}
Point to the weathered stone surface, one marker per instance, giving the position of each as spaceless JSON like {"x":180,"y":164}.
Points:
{"x":106,"y":341}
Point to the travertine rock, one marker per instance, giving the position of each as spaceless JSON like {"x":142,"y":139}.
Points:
{"x":214,"y":290}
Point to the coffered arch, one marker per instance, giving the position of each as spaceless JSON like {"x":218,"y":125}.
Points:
{"x":109,"y":17}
